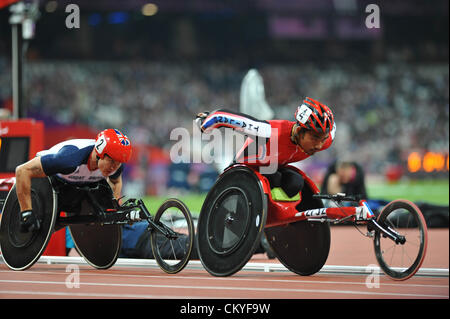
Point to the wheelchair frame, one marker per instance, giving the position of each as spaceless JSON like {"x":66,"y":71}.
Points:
{"x":130,"y":211}
{"x":281,"y":214}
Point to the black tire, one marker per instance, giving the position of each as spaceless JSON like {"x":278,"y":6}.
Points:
{"x":173,"y":254}
{"x":21,"y":250}
{"x":231,"y":222}
{"x":98,"y":244}
{"x":302,"y":246}
{"x":401,"y":261}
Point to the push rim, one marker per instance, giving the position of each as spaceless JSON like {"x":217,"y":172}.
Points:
{"x":17,"y":238}
{"x":400,"y":261}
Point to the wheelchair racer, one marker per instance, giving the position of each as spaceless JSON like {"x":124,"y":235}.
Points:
{"x":78,"y":162}
{"x":312,"y":131}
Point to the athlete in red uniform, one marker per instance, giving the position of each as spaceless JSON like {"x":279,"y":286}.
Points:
{"x":278,"y":142}
{"x":313,"y":131}
{"x":283,"y":142}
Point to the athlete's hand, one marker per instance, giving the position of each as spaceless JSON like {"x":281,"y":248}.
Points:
{"x":202,"y":115}
{"x":200,"y":118}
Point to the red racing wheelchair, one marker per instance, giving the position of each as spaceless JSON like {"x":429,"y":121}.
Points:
{"x":241,"y":207}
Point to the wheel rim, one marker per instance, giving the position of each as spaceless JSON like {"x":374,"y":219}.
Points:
{"x":16,"y":237}
{"x":401,"y":260}
{"x":173,"y":253}
{"x":227,"y":226}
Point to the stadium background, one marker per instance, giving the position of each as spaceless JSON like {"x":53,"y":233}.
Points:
{"x":147,"y":69}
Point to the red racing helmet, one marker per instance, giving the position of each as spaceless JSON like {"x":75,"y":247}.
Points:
{"x":315,"y":116}
{"x":113,"y":143}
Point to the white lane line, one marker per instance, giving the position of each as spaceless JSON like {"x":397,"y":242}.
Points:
{"x":329,"y":291}
{"x":86,"y":294}
{"x":300,"y":280}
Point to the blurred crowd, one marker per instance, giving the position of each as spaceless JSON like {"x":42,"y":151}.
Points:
{"x":397,"y":105}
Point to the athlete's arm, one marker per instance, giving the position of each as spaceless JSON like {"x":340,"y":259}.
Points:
{"x":240,"y":122}
{"x":24,"y":174}
{"x":116,"y":185}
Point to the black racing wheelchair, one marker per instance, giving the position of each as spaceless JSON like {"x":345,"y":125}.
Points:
{"x":94,"y":218}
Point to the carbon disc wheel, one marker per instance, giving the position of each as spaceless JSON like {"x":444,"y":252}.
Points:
{"x":20,"y":250}
{"x":302,"y":246}
{"x":98,"y":244}
{"x":231,"y":222}
{"x":228,"y":226}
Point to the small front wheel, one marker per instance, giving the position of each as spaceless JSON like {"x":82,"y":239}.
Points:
{"x":172,"y":249}
{"x":400,"y":260}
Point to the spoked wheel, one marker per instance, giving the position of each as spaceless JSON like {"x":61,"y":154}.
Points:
{"x":173,"y":250}
{"x":401,"y":260}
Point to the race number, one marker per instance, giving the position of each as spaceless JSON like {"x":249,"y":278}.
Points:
{"x":100,"y":144}
{"x":303,"y":113}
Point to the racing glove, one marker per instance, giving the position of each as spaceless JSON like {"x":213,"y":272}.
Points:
{"x":29,"y":222}
{"x":200,"y":118}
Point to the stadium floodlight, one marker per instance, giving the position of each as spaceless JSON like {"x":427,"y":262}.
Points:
{"x":26,"y":14}
{"x":23,"y":18}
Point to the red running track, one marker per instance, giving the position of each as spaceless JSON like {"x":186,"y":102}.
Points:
{"x":348,"y":248}
{"x":52,"y":281}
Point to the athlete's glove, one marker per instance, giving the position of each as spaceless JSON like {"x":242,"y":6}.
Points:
{"x":200,"y":118}
{"x":28,"y":221}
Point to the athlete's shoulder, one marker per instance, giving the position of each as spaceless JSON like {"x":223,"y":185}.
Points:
{"x":66,"y":156}
{"x":69,"y":145}
{"x":283,"y":126}
{"x":78,"y":143}
{"x":281,"y":122}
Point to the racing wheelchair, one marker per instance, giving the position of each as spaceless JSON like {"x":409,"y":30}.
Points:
{"x":242,"y":206}
{"x":94,"y":218}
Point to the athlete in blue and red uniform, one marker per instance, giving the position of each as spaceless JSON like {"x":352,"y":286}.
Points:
{"x":78,"y":162}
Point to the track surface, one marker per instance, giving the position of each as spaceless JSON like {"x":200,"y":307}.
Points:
{"x":348,"y":248}
{"x":52,"y":281}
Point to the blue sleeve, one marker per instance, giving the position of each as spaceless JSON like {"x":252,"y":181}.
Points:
{"x":66,"y":160}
